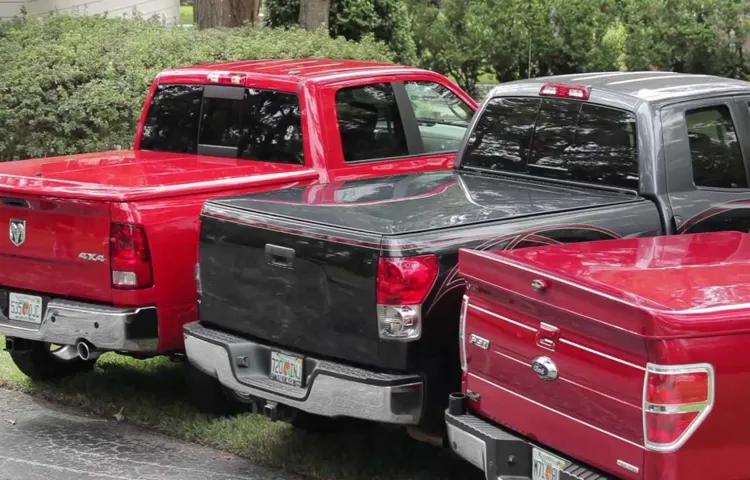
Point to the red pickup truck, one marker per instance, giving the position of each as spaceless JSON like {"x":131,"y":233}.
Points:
{"x":101,"y":249}
{"x":609,"y":359}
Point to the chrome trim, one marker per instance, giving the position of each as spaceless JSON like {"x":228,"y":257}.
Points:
{"x":627,"y":466}
{"x":343,"y":395}
{"x":564,"y":415}
{"x":66,"y":322}
{"x":467,"y":446}
{"x":703,"y":407}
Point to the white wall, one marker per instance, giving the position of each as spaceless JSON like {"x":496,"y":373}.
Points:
{"x":168,"y":10}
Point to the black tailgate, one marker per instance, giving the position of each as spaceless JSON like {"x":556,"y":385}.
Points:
{"x":309,"y":294}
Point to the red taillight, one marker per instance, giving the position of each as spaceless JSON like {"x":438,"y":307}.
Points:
{"x":130,"y":256}
{"x":579,"y":92}
{"x":676,"y":401}
{"x":405,"y":280}
{"x":402,"y":285}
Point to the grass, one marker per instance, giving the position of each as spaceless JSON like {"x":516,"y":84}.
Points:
{"x":152,"y":393}
{"x":186,"y":14}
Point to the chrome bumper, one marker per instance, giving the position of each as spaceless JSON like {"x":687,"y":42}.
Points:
{"x":500,"y":454}
{"x":107,"y":328}
{"x":331,"y":389}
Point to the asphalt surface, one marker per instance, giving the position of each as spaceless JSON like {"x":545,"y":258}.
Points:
{"x":42,"y":441}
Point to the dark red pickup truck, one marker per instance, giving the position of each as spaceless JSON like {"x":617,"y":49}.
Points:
{"x":608,"y":359}
{"x":102,"y":248}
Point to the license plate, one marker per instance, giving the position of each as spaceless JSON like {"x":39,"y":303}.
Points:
{"x":546,"y":466}
{"x":287,"y":368}
{"x":25,"y":308}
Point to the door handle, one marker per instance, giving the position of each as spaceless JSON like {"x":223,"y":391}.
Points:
{"x":279,"y":256}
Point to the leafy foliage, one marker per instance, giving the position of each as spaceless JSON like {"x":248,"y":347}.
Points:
{"x":75,"y":84}
{"x":525,"y":38}
{"x":387,"y":20}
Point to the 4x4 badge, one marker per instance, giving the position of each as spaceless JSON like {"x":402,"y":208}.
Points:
{"x":17,"y":232}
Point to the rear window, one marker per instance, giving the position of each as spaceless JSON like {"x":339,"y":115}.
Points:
{"x":556,"y":138}
{"x":233,"y":122}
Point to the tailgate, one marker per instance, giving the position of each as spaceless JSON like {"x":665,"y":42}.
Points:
{"x":56,"y":247}
{"x":556,"y":362}
{"x":311,"y":292}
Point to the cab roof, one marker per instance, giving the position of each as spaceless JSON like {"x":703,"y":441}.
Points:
{"x":295,"y":71}
{"x":632,"y":88}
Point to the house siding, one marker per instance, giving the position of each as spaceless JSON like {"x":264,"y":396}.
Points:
{"x":167,"y":10}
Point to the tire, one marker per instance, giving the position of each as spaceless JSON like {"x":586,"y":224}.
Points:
{"x":40,"y":364}
{"x":208,"y":395}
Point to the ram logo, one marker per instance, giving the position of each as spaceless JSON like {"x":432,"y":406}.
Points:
{"x":91,"y":257}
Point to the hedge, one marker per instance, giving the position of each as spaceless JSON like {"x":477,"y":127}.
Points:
{"x":72,"y":84}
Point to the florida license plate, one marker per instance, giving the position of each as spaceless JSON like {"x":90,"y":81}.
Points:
{"x":546,"y":466}
{"x":25,"y":308}
{"x":287,"y":368}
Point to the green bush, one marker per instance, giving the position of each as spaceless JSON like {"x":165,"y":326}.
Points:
{"x":73,"y":84}
{"x":387,"y":20}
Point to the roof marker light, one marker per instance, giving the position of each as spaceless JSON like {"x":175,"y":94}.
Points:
{"x":580,"y":92}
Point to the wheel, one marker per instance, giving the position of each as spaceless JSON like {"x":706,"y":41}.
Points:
{"x":44,"y":362}
{"x":208,"y":395}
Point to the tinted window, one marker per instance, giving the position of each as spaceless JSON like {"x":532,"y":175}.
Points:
{"x":605,"y":149}
{"x":502,"y":136}
{"x":442,"y":117}
{"x":256,"y":124}
{"x":370,"y":123}
{"x":172,"y":119}
{"x":557,"y":138}
{"x":714,"y":150}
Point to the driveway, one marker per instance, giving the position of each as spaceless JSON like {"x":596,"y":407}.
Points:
{"x":41,"y":441}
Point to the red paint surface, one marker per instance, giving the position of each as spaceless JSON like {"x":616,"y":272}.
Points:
{"x":618,"y":305}
{"x":73,"y":199}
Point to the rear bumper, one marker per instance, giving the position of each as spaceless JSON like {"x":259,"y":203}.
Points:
{"x":500,"y":454}
{"x":330,"y":389}
{"x":107,"y":328}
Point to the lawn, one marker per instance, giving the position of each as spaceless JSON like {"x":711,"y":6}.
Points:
{"x":186,"y":14}
{"x":151,"y":393}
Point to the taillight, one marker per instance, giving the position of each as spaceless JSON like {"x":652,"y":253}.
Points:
{"x":676,"y":400}
{"x":402,"y":285}
{"x":130,"y":256}
{"x":579,"y":92}
{"x":462,"y":332}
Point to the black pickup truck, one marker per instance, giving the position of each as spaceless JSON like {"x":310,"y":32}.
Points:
{"x":348,"y":304}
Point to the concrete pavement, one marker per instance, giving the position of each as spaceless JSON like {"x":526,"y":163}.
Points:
{"x":42,"y":441}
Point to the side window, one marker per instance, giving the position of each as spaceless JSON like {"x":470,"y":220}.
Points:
{"x":370,"y":123}
{"x":502,"y":135}
{"x":172,"y":119}
{"x":714,"y":149}
{"x":442,"y":117}
{"x":606,"y":150}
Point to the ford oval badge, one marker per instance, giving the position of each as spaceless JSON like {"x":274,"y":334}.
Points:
{"x":545,"y":368}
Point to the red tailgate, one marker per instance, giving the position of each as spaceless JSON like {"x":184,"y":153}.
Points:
{"x":547,"y":363}
{"x":55,"y":246}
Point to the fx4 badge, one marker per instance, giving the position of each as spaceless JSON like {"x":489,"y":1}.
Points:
{"x":91,"y":257}
{"x":17,"y":232}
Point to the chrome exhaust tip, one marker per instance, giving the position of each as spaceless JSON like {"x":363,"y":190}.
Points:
{"x":86,"y":351}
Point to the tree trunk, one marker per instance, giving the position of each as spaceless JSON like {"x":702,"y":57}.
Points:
{"x":225,"y":13}
{"x":314,"y":13}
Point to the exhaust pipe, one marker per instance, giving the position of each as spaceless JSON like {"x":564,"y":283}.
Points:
{"x":86,"y":351}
